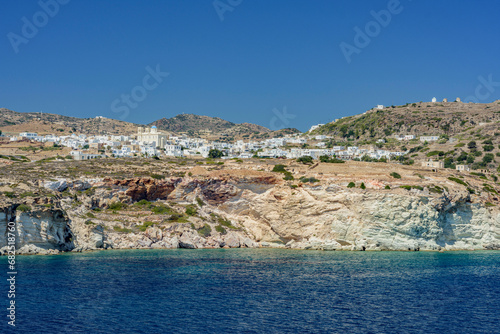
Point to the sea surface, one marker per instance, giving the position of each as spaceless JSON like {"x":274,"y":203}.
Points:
{"x":255,"y":291}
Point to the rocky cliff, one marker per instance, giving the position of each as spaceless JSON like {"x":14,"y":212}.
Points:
{"x":248,"y":209}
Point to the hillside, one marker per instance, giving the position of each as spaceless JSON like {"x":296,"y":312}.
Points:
{"x":424,"y":118}
{"x":12,"y":122}
{"x":205,"y":126}
{"x":469,"y":132}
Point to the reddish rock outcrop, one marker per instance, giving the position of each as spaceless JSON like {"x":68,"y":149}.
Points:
{"x":145,"y":188}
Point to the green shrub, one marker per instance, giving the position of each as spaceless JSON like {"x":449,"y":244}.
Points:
{"x":362,"y":186}
{"x":226,"y":223}
{"x":145,"y":225}
{"x":143,"y":202}
{"x":9,"y":194}
{"x":334,"y":160}
{"x":23,"y":208}
{"x":177,"y":218}
{"x":122,"y":229}
{"x":308,"y":179}
{"x":117,"y":206}
{"x":200,"y":201}
{"x":488,"y":148}
{"x":205,"y":230}
{"x":454,"y":179}
{"x":191,"y":210}
{"x":288,"y":176}
{"x":351,"y":185}
{"x":405,"y":187}
{"x":488,"y":157}
{"x":489,"y":188}
{"x":220,"y":229}
{"x":215,"y":154}
{"x":435,"y":189}
{"x":90,"y":215}
{"x":89,"y":222}
{"x":387,"y":187}
{"x":395,"y":175}
{"x":161,"y":209}
{"x":279,"y":169}
{"x":432,"y":153}
{"x":157,"y":176}
{"x":305,"y":160}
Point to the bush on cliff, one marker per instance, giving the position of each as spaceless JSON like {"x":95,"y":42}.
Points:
{"x":308,"y":179}
{"x":205,"y":230}
{"x":23,"y":208}
{"x":121,"y":229}
{"x":220,"y":229}
{"x":117,"y":206}
{"x":161,"y":209}
{"x":305,"y":160}
{"x":200,"y":201}
{"x":191,"y":210}
{"x":279,"y":169}
{"x":145,"y":225}
{"x":351,"y":185}
{"x":143,"y":202}
{"x":454,"y":179}
{"x":395,"y":175}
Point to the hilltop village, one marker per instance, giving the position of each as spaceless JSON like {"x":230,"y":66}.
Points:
{"x":340,"y":140}
{"x":150,"y":142}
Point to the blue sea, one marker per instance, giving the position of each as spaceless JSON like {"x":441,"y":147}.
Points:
{"x":255,"y":291}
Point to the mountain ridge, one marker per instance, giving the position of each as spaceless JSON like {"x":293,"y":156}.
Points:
{"x":13,"y":122}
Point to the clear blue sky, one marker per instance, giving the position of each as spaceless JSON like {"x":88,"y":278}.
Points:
{"x":264,"y":54}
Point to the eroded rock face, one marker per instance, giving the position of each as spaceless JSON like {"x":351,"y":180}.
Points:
{"x":264,"y":212}
{"x":315,"y":217}
{"x":37,"y":232}
{"x":144,"y":188}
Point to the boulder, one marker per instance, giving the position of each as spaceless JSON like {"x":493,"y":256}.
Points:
{"x":232,"y":240}
{"x":59,"y":185}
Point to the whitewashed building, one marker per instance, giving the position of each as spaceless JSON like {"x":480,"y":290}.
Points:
{"x":429,"y":138}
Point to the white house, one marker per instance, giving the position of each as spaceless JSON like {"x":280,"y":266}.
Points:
{"x":314,"y":127}
{"x":173,"y":151}
{"x":380,"y":106}
{"x":429,"y":138}
{"x":28,"y":135}
{"x":77,"y":155}
{"x":434,"y":99}
{"x":404,"y":137}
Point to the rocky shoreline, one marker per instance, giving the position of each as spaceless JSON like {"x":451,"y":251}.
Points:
{"x":245,"y":209}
